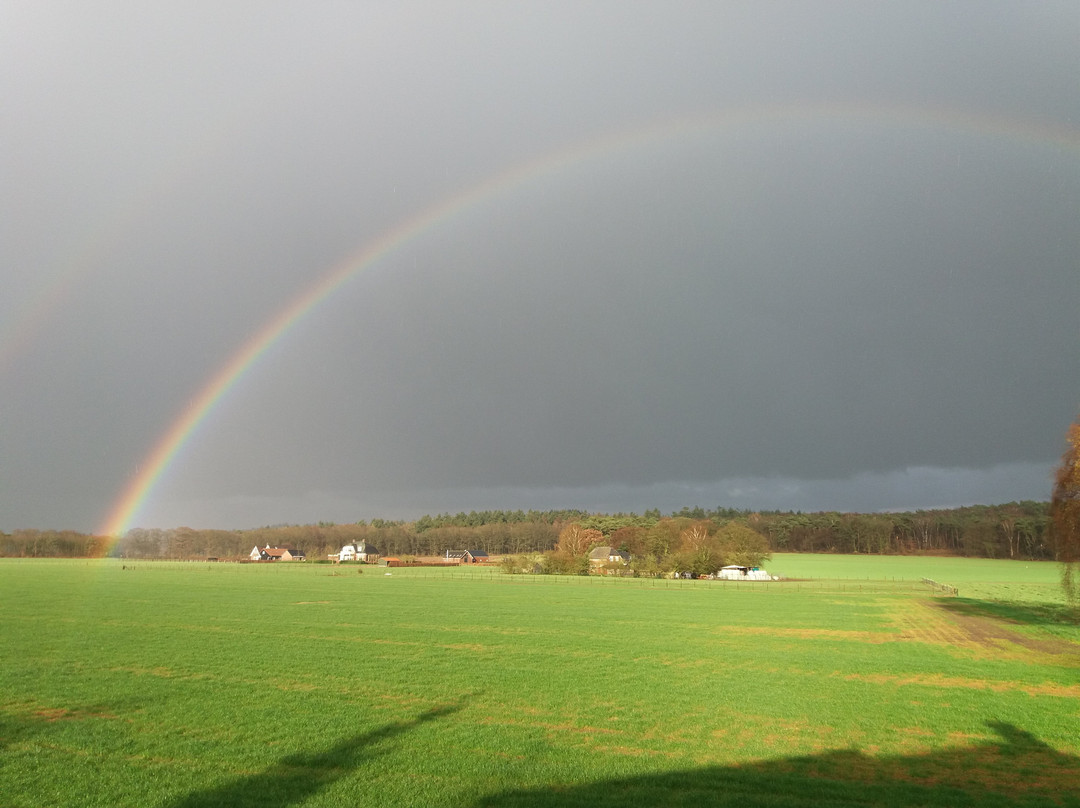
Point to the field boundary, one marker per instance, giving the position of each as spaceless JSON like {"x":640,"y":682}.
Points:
{"x":943,"y":588}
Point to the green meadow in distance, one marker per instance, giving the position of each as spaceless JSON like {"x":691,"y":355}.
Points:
{"x":195,"y":684}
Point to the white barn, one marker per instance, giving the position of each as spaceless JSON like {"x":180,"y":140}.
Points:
{"x":734,"y":572}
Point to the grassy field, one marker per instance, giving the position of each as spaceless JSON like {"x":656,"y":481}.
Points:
{"x":169,"y":684}
{"x":981,"y":578}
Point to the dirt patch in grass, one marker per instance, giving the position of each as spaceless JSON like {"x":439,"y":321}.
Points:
{"x":388,"y":642}
{"x":990,"y":632}
{"x":919,"y":622}
{"x":940,"y":623}
{"x":159,"y":671}
{"x":550,"y":727}
{"x":465,"y":646}
{"x":53,"y":714}
{"x":962,"y":683}
{"x":872,"y":637}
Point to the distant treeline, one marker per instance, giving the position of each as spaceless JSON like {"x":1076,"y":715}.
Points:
{"x":1015,"y":530}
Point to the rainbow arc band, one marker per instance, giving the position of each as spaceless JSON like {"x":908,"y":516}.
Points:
{"x":180,"y":432}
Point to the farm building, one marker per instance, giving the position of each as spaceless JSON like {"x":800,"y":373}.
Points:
{"x":466,"y":556}
{"x":599,"y":556}
{"x":733,"y":572}
{"x":269,"y":553}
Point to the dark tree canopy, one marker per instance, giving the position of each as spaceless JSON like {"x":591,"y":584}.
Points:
{"x":1019,"y":530}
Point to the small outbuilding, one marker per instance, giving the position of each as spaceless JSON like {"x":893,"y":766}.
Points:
{"x":734,"y":572}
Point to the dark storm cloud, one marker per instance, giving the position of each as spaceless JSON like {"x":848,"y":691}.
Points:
{"x":811,"y":296}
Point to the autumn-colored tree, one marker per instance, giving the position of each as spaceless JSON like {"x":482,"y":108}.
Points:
{"x":699,"y":552}
{"x":1065,"y":516}
{"x":743,"y":545}
{"x":663,"y":538}
{"x":630,"y":538}
{"x":575,"y":540}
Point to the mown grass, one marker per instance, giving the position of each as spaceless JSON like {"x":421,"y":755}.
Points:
{"x":215,"y":684}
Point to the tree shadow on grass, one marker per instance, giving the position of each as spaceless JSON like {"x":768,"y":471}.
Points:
{"x":1018,"y":770}
{"x":1030,"y":614}
{"x":294,"y":778}
{"x":14,"y":731}
{"x":17,"y":728}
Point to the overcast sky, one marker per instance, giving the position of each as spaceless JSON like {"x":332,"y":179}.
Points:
{"x":798,"y":256}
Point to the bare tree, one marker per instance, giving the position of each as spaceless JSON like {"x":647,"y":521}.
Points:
{"x":1065,"y":516}
{"x":575,"y":540}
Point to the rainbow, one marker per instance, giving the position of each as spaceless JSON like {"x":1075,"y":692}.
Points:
{"x":180,"y":432}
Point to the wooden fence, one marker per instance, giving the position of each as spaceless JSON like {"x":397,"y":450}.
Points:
{"x":944,"y":589}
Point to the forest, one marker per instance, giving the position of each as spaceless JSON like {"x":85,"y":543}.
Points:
{"x":1018,"y":530}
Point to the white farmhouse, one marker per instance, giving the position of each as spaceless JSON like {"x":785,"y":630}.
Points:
{"x":361,"y":551}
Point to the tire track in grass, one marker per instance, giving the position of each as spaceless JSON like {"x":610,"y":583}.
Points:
{"x":980,"y":636}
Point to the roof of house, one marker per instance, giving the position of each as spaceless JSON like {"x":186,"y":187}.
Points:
{"x":600,"y":553}
{"x":464,"y":553}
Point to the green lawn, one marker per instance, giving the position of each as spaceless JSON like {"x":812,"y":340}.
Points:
{"x":219,"y":685}
{"x":1038,"y":581}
